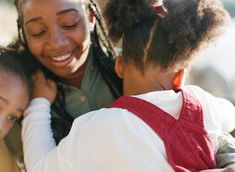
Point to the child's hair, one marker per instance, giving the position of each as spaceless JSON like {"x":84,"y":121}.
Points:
{"x":166,"y":41}
{"x":10,"y":62}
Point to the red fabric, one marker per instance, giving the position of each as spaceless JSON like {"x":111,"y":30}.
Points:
{"x":188,"y":146}
{"x":160,"y":10}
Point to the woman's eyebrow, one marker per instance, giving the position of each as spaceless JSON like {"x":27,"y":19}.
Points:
{"x":4,"y":100}
{"x":33,"y":20}
{"x":66,"y":11}
{"x":58,"y":13}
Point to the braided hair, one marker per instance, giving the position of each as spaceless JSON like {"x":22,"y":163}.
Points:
{"x":104,"y":58}
{"x":104,"y":51}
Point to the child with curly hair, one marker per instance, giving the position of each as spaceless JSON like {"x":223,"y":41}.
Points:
{"x":159,"y":124}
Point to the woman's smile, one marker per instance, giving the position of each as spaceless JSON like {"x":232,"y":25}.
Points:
{"x":62,"y":60}
{"x":59,"y":37}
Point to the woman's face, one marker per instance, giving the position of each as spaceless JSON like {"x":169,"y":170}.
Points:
{"x":57,"y":33}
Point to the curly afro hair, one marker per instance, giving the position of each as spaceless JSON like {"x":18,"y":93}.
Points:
{"x":164,"y":41}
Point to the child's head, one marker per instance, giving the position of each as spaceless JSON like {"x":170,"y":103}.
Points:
{"x":170,"y":42}
{"x":14,"y":91}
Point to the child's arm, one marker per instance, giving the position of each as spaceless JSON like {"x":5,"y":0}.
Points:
{"x":226,"y":152}
{"x":36,"y":125}
{"x":44,"y":93}
{"x":225,"y":157}
{"x":228,"y":168}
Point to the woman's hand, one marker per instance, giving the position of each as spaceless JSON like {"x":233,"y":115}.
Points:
{"x":43,"y":87}
{"x":228,"y":168}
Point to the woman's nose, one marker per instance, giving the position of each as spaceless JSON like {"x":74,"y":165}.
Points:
{"x":56,"y":39}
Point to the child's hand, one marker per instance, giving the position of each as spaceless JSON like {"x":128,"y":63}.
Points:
{"x":228,"y":168}
{"x":43,"y":87}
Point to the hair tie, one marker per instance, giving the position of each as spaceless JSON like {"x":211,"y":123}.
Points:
{"x":160,"y":10}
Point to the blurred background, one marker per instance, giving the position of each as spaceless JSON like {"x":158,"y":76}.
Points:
{"x":214,"y":70}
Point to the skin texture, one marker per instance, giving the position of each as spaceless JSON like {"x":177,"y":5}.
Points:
{"x":153,"y":78}
{"x":14,"y":97}
{"x":58,"y":35}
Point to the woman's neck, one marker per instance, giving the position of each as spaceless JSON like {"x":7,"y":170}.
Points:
{"x":75,"y":79}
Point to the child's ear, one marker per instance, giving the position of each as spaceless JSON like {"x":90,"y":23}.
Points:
{"x":177,"y":79}
{"x":119,"y":69}
{"x":92,"y":20}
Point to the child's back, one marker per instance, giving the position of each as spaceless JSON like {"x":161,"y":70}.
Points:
{"x":157,"y":49}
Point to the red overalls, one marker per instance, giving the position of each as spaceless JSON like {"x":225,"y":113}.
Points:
{"x":187,"y":144}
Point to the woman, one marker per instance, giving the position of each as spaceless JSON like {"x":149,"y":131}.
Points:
{"x":63,"y":37}
{"x":155,"y":58}
{"x":68,"y":39}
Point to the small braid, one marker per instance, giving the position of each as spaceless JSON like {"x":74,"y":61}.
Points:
{"x":61,"y":124}
{"x":97,"y":13}
{"x":105,"y":61}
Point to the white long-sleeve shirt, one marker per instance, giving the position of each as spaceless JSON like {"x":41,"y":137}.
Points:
{"x":113,"y":139}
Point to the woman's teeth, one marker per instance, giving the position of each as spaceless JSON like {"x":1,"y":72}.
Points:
{"x":61,"y":58}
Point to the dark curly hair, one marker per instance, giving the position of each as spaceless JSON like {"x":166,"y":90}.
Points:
{"x":149,"y":39}
{"x":10,"y":63}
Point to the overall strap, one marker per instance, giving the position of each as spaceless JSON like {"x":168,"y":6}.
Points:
{"x":159,"y":120}
{"x":191,"y":110}
{"x":187,"y":144}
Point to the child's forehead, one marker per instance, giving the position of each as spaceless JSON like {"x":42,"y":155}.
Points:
{"x":9,"y":77}
{"x":13,"y":90}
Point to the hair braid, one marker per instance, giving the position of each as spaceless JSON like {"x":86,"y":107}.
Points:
{"x":104,"y":60}
{"x":61,"y":123}
{"x":97,"y":13}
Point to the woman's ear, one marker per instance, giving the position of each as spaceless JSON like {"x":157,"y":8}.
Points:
{"x":92,"y":20}
{"x":119,"y":69}
{"x":177,"y":79}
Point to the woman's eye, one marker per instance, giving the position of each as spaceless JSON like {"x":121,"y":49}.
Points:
{"x":12,"y":118}
{"x":38,"y":34}
{"x":70,"y":26}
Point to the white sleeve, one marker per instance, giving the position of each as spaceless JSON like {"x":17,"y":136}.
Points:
{"x":37,"y":135}
{"x":99,"y":141}
{"x":228,"y":114}
{"x":220,"y":110}
{"x":223,"y":111}
{"x":73,"y":153}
